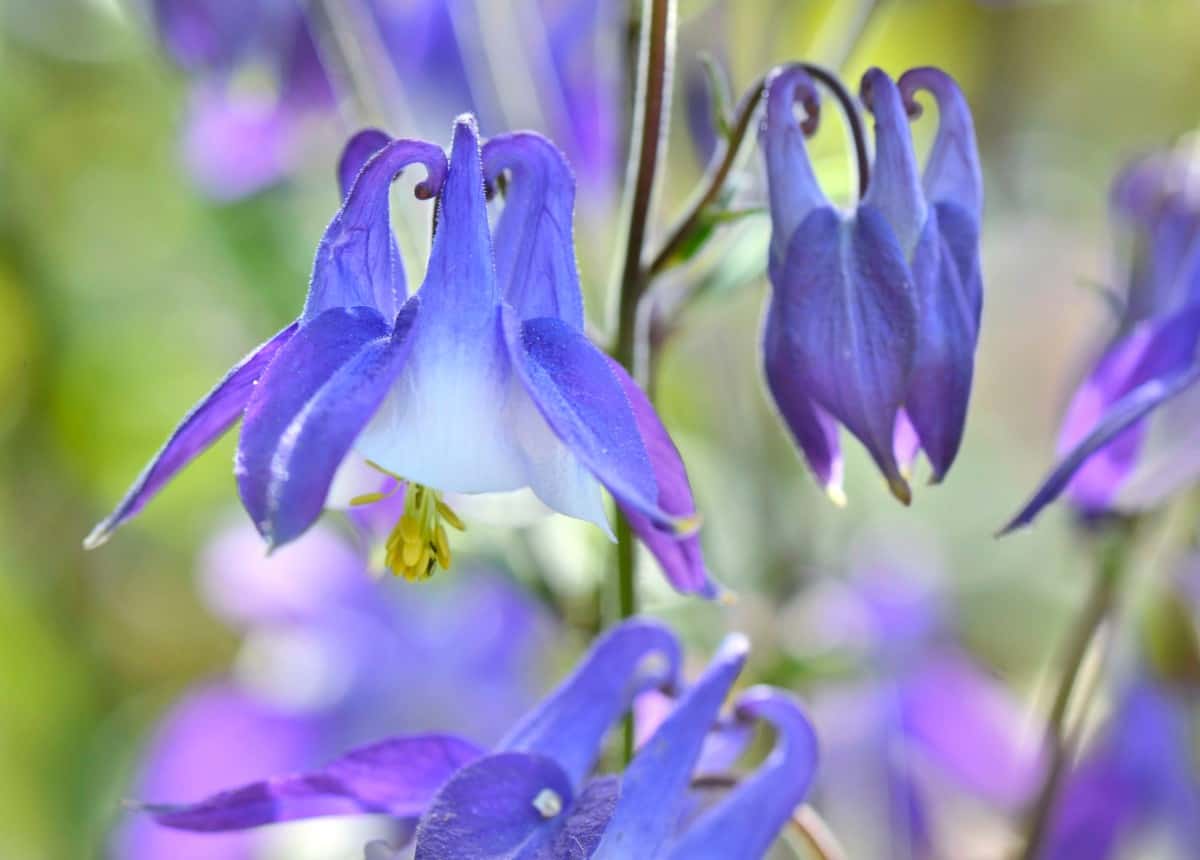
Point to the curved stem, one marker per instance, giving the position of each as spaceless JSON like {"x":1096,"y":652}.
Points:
{"x":1100,"y":604}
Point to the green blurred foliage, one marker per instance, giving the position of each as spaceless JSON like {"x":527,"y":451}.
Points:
{"x":124,"y":293}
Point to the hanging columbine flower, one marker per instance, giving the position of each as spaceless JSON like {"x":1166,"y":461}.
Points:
{"x":481,"y":382}
{"x":1151,"y":359}
{"x":536,"y":795}
{"x":874,"y":314}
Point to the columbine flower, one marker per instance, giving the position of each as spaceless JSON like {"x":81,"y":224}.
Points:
{"x":535,"y":793}
{"x":1151,"y":359}
{"x":306,"y":681}
{"x":481,"y":382}
{"x":920,"y":723}
{"x":1135,"y":781}
{"x":874,"y":315}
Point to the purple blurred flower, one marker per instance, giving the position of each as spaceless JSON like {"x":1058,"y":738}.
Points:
{"x":330,"y":659}
{"x":1150,"y":366}
{"x":237,"y":143}
{"x":923,"y":719}
{"x":482,"y":382}
{"x":535,"y":794}
{"x":1137,"y":779}
{"x":874,"y":314}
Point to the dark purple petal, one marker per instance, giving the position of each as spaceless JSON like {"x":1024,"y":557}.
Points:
{"x":515,"y":806}
{"x":396,"y":777}
{"x":576,"y":391}
{"x":971,"y":728}
{"x":654,"y":788}
{"x":207,"y":422}
{"x":534,"y":241}
{"x":308,"y":410}
{"x":216,"y":736}
{"x":569,"y":725}
{"x":895,"y":190}
{"x":746,"y":822}
{"x":358,"y":264}
{"x":952,"y":173}
{"x":1120,"y":416}
{"x":358,"y":150}
{"x":682,"y":558}
{"x":460,"y":283}
{"x":944,"y":361}
{"x":812,"y":429}
{"x":846,"y":307}
{"x":791,"y":183}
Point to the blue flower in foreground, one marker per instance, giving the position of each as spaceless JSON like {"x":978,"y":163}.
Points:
{"x":874,"y":314}
{"x":535,"y":794}
{"x":1137,"y":780}
{"x":307,"y":681}
{"x":1151,"y":359}
{"x":481,"y":382}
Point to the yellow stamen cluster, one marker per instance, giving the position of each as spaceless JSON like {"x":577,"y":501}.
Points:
{"x":418,"y":543}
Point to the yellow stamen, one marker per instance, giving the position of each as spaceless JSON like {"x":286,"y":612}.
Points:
{"x":419,"y":542}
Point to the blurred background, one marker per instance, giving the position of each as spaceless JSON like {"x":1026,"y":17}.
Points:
{"x":145,"y":246}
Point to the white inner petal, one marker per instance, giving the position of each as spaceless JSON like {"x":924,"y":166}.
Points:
{"x":458,"y":420}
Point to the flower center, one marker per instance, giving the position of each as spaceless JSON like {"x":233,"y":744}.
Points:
{"x":418,"y":542}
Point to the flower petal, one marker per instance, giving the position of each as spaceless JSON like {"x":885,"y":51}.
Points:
{"x":358,"y":150}
{"x":308,"y":410}
{"x":358,"y":263}
{"x":846,"y":306}
{"x":534,"y":241}
{"x":746,"y":822}
{"x":396,"y":777}
{"x":682,"y":558}
{"x":944,"y":362}
{"x":1119,"y":417}
{"x":791,"y":184}
{"x":207,"y":422}
{"x":654,"y":788}
{"x":581,"y":399}
{"x":515,"y":806}
{"x":895,"y":189}
{"x":952,"y":173}
{"x":811,"y":428}
{"x":569,"y":725}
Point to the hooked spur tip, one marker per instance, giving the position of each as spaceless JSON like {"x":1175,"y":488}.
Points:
{"x":98,"y":536}
{"x":837,"y":495}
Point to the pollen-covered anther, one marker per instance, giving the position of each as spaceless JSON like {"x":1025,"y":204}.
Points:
{"x":419,"y":542}
{"x":548,"y":803}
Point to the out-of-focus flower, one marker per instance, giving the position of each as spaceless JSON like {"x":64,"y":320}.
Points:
{"x":535,"y":793}
{"x":1136,"y":782}
{"x":1151,"y":359}
{"x":242,"y":138}
{"x":874,"y":314}
{"x":330,"y":659}
{"x":920,"y":722}
{"x":481,"y":382}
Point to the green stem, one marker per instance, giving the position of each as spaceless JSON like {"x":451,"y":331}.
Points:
{"x":1100,"y":604}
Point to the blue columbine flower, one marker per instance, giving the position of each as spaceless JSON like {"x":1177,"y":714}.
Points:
{"x":483,"y":381}
{"x":535,"y":793}
{"x":874,"y":315}
{"x":1150,"y":359}
{"x":306,"y":683}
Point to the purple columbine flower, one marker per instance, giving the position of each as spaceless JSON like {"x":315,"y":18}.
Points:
{"x":1151,"y":359}
{"x":307,"y":681}
{"x":1136,"y":780}
{"x":874,"y":314}
{"x":535,"y":793}
{"x":919,"y":723}
{"x":483,"y":381}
